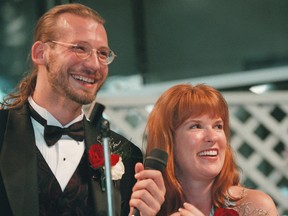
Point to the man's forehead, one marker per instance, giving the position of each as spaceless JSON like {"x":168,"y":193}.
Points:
{"x":74,"y":28}
{"x":71,"y":21}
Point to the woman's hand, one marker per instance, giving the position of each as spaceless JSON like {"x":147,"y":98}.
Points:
{"x":148,"y":193}
{"x":188,"y":210}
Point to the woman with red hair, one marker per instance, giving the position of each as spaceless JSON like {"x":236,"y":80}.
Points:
{"x":191,"y":123}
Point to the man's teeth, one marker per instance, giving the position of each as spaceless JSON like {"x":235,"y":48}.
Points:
{"x":84,"y":79}
{"x":208,"y":153}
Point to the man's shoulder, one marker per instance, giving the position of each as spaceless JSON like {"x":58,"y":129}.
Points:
{"x":3,"y":113}
{"x":120,"y":144}
{"x":3,"y":120}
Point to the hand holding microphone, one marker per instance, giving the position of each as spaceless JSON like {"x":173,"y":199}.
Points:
{"x":150,"y":185}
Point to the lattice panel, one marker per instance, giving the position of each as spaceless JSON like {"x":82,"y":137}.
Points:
{"x":259,"y":135}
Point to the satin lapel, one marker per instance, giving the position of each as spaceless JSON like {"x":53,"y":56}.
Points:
{"x":19,"y":164}
{"x":99,"y":197}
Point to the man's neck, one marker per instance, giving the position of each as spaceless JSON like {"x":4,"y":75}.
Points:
{"x":63,"y":111}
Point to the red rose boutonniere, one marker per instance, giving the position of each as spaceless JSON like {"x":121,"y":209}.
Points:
{"x":225,"y":212}
{"x":96,"y":160}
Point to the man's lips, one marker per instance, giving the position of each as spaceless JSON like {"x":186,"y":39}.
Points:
{"x":84,"y":79}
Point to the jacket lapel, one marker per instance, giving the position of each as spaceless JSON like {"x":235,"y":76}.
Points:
{"x":19,"y":164}
{"x":100,"y":197}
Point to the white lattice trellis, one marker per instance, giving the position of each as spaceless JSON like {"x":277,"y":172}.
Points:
{"x":259,"y":125}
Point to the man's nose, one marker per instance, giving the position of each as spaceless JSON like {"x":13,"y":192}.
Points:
{"x":93,"y":60}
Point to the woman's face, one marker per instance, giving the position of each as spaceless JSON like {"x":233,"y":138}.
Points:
{"x":199,"y":148}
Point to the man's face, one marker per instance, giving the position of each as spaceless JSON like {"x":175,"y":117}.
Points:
{"x":68,"y":75}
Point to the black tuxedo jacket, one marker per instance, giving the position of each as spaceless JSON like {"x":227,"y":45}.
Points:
{"x":18,"y":167}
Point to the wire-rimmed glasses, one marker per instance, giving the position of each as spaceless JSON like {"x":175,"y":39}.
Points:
{"x":84,"y":51}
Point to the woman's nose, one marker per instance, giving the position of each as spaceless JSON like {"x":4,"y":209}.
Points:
{"x":210,"y":135}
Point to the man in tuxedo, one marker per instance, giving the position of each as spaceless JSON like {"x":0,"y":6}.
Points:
{"x":44,"y":175}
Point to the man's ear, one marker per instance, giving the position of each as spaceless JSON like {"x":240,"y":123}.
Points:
{"x":37,"y":53}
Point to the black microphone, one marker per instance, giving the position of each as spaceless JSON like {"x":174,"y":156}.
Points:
{"x":155,"y":160}
{"x":96,"y":113}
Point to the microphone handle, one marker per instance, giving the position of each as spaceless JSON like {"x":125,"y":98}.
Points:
{"x":135,"y":212}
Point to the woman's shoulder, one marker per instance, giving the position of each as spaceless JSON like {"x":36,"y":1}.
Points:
{"x":253,"y":202}
{"x":257,"y":196}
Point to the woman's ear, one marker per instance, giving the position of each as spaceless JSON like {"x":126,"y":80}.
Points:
{"x":37,"y":53}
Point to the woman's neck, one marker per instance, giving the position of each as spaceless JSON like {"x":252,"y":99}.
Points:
{"x":198,"y":193}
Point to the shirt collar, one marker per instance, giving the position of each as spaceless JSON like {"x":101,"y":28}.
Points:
{"x":51,"y":120}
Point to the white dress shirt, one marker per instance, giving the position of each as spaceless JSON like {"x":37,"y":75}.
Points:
{"x":63,"y":157}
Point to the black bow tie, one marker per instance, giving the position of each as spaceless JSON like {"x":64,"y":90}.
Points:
{"x":53,"y":133}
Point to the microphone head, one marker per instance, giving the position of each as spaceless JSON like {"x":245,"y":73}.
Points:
{"x":105,"y":128}
{"x":156,"y":160}
{"x":96,"y":113}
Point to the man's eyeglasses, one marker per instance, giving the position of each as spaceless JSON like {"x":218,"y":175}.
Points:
{"x":84,"y":51}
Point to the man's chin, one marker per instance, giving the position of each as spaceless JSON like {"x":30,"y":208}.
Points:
{"x":84,"y":99}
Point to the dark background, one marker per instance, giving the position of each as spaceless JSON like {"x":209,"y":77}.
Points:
{"x":164,"y":40}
